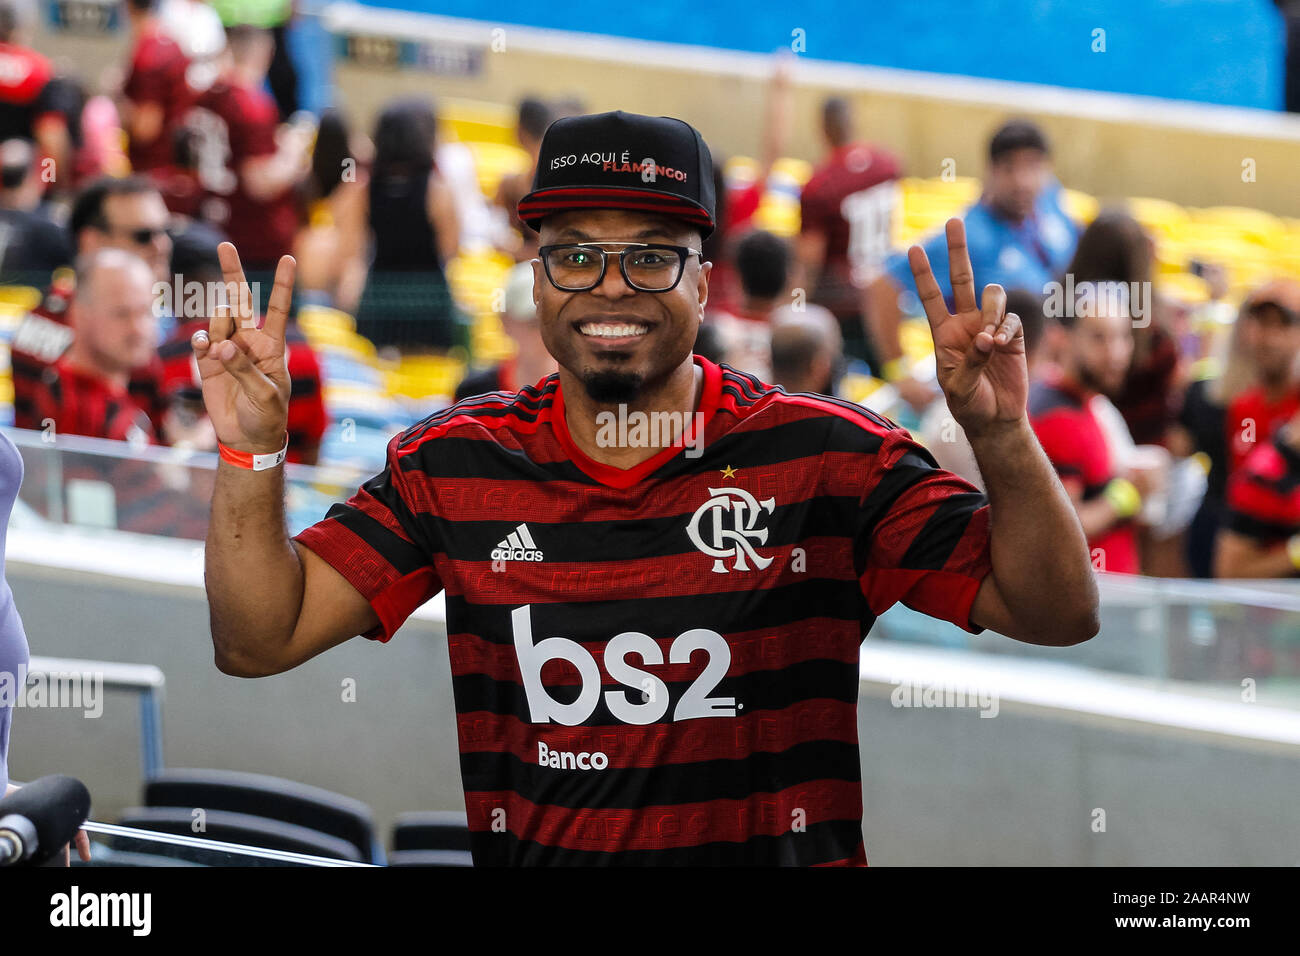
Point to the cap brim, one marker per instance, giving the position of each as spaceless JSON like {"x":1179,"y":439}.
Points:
{"x":545,"y":202}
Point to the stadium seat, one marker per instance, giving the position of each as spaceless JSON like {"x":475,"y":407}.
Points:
{"x":22,"y":297}
{"x":798,"y":171}
{"x":430,"y":858}
{"x":778,"y":214}
{"x":1081,"y":207}
{"x":494,"y":161}
{"x":477,"y":121}
{"x":430,"y":830}
{"x":1252,"y":225}
{"x":425,"y":376}
{"x":1158,"y":215}
{"x":272,"y":798}
{"x":243,"y":829}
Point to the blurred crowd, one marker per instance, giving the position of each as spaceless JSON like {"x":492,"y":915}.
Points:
{"x":1180,"y":449}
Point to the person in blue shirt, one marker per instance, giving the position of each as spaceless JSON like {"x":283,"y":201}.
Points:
{"x":1018,"y":234}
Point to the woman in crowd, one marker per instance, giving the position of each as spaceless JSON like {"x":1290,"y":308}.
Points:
{"x":406,"y":303}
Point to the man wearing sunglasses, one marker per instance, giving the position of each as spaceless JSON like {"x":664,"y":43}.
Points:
{"x":125,"y":213}
{"x":653,"y":637}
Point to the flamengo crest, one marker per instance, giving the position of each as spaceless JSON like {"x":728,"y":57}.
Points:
{"x":729,"y":521}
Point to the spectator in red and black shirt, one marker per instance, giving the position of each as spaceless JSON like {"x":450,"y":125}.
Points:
{"x":1260,"y":537}
{"x":155,"y":93}
{"x":84,"y":392}
{"x":1106,"y":497}
{"x":844,"y":236}
{"x":126,"y":214}
{"x":1270,"y":320}
{"x":248,"y":170}
{"x":111,"y":315}
{"x":654,"y":637}
{"x":28,"y":106}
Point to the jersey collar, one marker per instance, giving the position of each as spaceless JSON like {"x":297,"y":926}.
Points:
{"x":710,"y":398}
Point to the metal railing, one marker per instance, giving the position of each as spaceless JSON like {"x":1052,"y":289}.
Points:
{"x":143,"y":679}
{"x":109,"y":839}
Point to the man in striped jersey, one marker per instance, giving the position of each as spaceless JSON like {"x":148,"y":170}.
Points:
{"x":654,"y":653}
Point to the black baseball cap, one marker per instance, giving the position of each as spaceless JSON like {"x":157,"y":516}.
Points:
{"x":623,"y":161}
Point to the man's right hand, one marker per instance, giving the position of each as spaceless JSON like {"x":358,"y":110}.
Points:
{"x":244,"y":370}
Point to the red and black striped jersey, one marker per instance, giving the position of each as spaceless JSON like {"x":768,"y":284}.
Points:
{"x":659,"y":665}
{"x":1264,"y":493}
{"x":43,"y":336}
{"x":74,"y":401}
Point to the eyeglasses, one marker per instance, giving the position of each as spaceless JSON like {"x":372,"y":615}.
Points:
{"x":142,"y":236}
{"x":646,"y":267}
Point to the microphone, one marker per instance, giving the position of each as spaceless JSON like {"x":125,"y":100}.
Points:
{"x":38,"y":820}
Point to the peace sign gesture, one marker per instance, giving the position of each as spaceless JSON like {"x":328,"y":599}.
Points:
{"x":980,"y":349}
{"x":243,"y":367}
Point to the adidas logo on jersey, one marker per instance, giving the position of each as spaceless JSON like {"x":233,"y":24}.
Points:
{"x":518,"y":545}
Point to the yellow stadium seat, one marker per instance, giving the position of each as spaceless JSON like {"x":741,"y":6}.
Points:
{"x":797,"y":170}
{"x":915,"y":338}
{"x":24,"y":297}
{"x":425,"y":376}
{"x":1183,"y":286}
{"x":858,"y":388}
{"x":1253,"y":225}
{"x":494,"y":161}
{"x":322,"y":317}
{"x":1080,"y":207}
{"x":740,"y":170}
{"x":488,"y":340}
{"x":1158,"y":215}
{"x":778,"y":214}
{"x":963,"y":190}
{"x":476,"y":120}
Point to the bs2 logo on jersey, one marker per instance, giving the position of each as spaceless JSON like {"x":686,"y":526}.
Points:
{"x":645,"y":697}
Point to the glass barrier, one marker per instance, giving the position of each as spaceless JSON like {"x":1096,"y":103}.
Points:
{"x":1215,"y":633}
{"x":112,"y":845}
{"x":1229,"y":640}
{"x":147,"y":489}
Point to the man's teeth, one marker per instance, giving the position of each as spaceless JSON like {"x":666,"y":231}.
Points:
{"x":607,"y":330}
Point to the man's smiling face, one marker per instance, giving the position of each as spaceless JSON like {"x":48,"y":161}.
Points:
{"x":614,"y":339}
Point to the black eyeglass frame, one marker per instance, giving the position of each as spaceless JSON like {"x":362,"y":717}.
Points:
{"x":683,"y":252}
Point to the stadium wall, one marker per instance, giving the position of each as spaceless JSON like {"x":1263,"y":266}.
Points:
{"x":940,"y":786}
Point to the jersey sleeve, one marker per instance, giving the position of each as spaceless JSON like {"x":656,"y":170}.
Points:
{"x":376,"y":542}
{"x":252,"y":132}
{"x":148,"y":81}
{"x":1262,"y":499}
{"x":924,"y":533}
{"x":815,"y":214}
